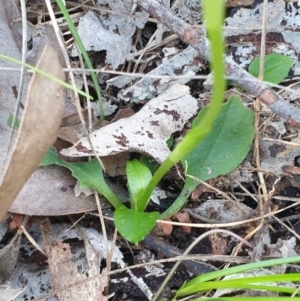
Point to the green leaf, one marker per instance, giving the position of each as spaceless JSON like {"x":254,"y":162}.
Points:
{"x":149,"y":162}
{"x":53,"y":158}
{"x":138,"y":177}
{"x":10,"y":121}
{"x":134,"y":225}
{"x":223,"y":149}
{"x":89,"y":174}
{"x":276,"y":67}
{"x":214,"y":16}
{"x":189,"y":287}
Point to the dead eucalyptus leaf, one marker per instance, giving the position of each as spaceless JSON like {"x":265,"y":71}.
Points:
{"x":147,"y":131}
{"x":50,"y":192}
{"x":38,"y":130}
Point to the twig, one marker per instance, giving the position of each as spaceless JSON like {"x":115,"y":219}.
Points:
{"x":154,"y":243}
{"x":195,"y":37}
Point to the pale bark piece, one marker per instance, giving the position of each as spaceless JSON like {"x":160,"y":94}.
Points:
{"x":222,"y":211}
{"x":186,"y":63}
{"x":38,"y":130}
{"x":63,"y":272}
{"x":8,"y":259}
{"x":147,"y":131}
{"x":112,"y":32}
{"x":8,"y":294}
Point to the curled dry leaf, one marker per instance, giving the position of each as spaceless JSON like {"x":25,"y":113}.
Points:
{"x":147,"y":131}
{"x":38,"y":130}
{"x":162,"y":229}
{"x":183,"y":217}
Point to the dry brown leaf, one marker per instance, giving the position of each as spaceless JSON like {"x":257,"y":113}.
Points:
{"x":50,"y":192}
{"x":183,"y":217}
{"x":72,"y":131}
{"x":115,"y":165}
{"x":163,"y":229}
{"x":147,"y":131}
{"x":200,"y":190}
{"x":17,"y":221}
{"x":218,"y":244}
{"x":38,"y":130}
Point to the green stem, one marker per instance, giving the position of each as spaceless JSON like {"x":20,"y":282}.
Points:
{"x":84,"y":53}
{"x":214,"y":21}
{"x":68,"y":86}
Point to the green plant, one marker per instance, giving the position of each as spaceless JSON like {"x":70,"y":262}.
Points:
{"x":232,"y":122}
{"x":214,"y":20}
{"x":208,"y":281}
{"x":64,"y":84}
{"x":276,"y":67}
{"x":89,"y":174}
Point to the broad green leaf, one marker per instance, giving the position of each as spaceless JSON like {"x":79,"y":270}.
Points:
{"x":138,"y":177}
{"x":89,"y":174}
{"x":134,"y":225}
{"x":276,"y":67}
{"x":223,"y":149}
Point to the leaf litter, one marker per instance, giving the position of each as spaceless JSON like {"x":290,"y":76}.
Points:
{"x":147,"y":131}
{"x":122,"y":29}
{"x":46,"y":113}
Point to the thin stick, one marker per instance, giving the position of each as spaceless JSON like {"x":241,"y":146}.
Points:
{"x":196,"y":37}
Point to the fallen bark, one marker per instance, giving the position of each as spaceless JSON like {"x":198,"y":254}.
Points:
{"x":196,"y":37}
